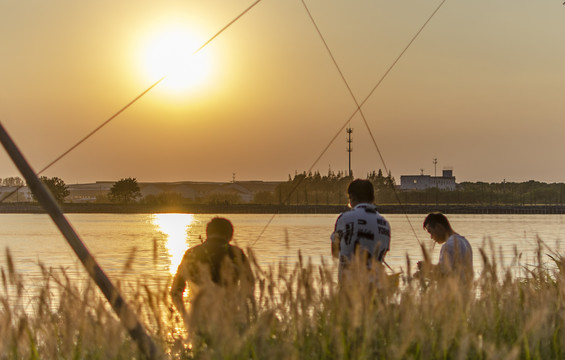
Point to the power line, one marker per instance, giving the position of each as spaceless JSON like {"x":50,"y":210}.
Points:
{"x":358,"y":109}
{"x":144,"y":92}
{"x":359,"y":105}
{"x":349,"y":148}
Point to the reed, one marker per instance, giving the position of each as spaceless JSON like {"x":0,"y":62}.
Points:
{"x":300,"y":312}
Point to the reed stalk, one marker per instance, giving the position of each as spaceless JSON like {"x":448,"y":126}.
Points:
{"x":299,"y":311}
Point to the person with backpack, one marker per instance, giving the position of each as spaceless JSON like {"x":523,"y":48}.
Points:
{"x":212,"y":268}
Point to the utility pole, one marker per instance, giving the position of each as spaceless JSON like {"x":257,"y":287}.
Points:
{"x":435,"y":166}
{"x":349,"y":149}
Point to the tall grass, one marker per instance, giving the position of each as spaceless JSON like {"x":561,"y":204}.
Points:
{"x":300,"y":312}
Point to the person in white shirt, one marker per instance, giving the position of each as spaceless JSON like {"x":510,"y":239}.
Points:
{"x":456,"y":254}
{"x":361,"y":231}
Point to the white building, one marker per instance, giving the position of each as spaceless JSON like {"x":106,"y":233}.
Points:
{"x":423,"y":182}
{"x":15,"y":194}
{"x":85,"y":193}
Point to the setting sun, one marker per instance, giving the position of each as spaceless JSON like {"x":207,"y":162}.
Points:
{"x":172,"y":53}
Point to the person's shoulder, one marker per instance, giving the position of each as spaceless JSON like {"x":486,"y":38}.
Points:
{"x":372,"y":209}
{"x":450,"y":243}
{"x":195,"y":248}
{"x":450,"y":240}
{"x":458,"y":237}
{"x":236,"y":253}
{"x":190,"y":258}
{"x":193,"y":252}
{"x":381,"y":217}
{"x":344,"y":215}
{"x":462,"y":239}
{"x":236,"y":250}
{"x":367,"y":208}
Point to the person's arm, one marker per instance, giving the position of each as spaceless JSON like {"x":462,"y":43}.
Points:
{"x":336,"y":239}
{"x":383,"y":247}
{"x":335,"y":244}
{"x":247,"y":274}
{"x":446,"y":258}
{"x":177,"y":289}
{"x":427,"y":267}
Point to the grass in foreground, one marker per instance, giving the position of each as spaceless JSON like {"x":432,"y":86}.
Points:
{"x":299,"y":312}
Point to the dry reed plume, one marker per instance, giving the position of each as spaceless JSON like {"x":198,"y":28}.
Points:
{"x":300,"y":312}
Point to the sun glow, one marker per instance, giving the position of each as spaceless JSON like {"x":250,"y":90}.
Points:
{"x":173,"y":53}
{"x":175,"y":226}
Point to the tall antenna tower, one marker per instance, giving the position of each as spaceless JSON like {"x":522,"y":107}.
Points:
{"x":349,"y":149}
{"x":435,"y":166}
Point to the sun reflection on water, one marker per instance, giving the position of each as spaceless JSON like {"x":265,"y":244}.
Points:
{"x":175,"y":227}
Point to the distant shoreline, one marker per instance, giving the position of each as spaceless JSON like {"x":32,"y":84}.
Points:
{"x":33,"y":208}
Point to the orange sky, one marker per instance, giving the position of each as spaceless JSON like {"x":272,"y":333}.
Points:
{"x":481,"y":89}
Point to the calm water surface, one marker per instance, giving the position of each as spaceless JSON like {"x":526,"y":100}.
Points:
{"x":158,"y":241}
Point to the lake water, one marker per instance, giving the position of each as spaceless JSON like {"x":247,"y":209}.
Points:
{"x":158,"y":241}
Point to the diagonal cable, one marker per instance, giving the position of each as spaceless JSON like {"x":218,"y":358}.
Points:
{"x":100,"y":126}
{"x":371,"y":93}
{"x":360,"y":105}
{"x":358,"y":109}
{"x":144,"y":92}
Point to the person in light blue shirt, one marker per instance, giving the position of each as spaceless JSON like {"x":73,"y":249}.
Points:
{"x":456,"y":254}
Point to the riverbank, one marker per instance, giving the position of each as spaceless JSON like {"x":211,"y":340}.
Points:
{"x":34,"y":208}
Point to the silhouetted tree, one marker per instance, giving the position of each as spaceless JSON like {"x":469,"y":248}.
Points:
{"x":306,"y":188}
{"x":13,"y":181}
{"x":125,"y":191}
{"x":57,"y":187}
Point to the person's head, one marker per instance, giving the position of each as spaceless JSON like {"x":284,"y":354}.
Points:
{"x":437,"y":225}
{"x":360,"y":191}
{"x":219,"y":229}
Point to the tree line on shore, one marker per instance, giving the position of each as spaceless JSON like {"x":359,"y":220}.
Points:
{"x":313,"y":188}
{"x":331,"y":189}
{"x":123,"y":191}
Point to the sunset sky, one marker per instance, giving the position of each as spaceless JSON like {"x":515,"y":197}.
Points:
{"x":482,"y":89}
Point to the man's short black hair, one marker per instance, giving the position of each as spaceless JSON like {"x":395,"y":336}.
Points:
{"x":361,"y":190}
{"x":219,"y":227}
{"x":436,"y":218}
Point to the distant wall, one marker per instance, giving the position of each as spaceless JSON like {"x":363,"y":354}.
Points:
{"x":27,"y":208}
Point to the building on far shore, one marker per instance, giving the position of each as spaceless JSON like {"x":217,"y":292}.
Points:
{"x":88,"y":193}
{"x":423,"y":182}
{"x":245,"y":191}
{"x":15,"y":194}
